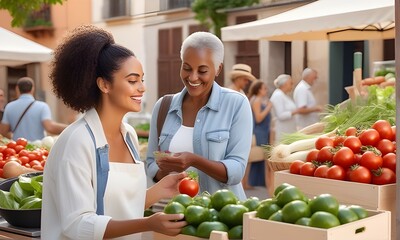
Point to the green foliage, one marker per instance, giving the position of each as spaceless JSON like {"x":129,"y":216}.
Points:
{"x":209,"y":13}
{"x":21,"y":9}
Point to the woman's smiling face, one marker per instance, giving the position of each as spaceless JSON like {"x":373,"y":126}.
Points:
{"x":198,"y":71}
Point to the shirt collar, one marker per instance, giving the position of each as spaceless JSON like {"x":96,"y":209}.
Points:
{"x":26,"y":96}
{"x":213,"y":101}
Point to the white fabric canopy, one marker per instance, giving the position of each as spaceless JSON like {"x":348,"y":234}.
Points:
{"x":334,"y":20}
{"x":17,"y":50}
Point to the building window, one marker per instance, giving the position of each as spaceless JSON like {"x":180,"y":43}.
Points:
{"x":116,"y":8}
{"x":173,"y":4}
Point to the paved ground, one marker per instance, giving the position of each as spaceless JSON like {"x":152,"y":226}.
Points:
{"x":260,"y":192}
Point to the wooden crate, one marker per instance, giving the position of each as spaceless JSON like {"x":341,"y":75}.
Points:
{"x":375,"y":226}
{"x":369,"y":196}
{"x":215,"y":235}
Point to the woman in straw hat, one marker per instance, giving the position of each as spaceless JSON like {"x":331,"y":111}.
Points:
{"x":241,"y":76}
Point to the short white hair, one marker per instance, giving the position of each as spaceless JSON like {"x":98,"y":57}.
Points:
{"x":202,"y":40}
{"x":281,"y":79}
{"x":307,"y":72}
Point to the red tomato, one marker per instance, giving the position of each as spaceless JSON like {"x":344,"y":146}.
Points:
{"x":389,"y":161}
{"x":323,"y":141}
{"x":2,"y":148}
{"x":295,"y":166}
{"x":312,"y":155}
{"x":34,"y":162}
{"x":18,"y":148}
{"x":33,"y":156}
{"x":307,"y":169}
{"x":43,"y":162}
{"x":321,"y":171}
{"x":386,"y":146}
{"x":393,"y":133}
{"x":351,"y":131}
{"x":325,"y":154}
{"x":22,"y":141}
{"x":359,"y":174}
{"x":24,"y":160}
{"x":2,"y":162}
{"x":344,"y":157}
{"x":353,"y":143}
{"x":11,"y":144}
{"x":9,"y":152}
{"x":369,"y":137}
{"x":39,"y":154}
{"x":338,"y":141}
{"x":336,"y":172}
{"x":38,"y":167}
{"x":383,"y":176}
{"x":23,"y":152}
{"x":371,"y":160}
{"x":189,"y":186}
{"x":384,"y":129}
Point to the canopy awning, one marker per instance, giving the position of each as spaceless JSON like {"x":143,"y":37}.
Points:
{"x":16,"y":50}
{"x":333,"y":20}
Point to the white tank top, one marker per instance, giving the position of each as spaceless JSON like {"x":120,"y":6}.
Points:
{"x":125,"y":193}
{"x":182,"y":141}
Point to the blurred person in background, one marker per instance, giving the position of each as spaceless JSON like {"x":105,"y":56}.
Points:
{"x":305,"y":100}
{"x":27,"y":117}
{"x":261,"y":108}
{"x":207,"y":127}
{"x":284,"y":108}
{"x":241,"y":77}
{"x":2,"y":103}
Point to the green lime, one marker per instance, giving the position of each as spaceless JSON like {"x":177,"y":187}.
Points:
{"x":232,"y":214}
{"x":223,"y":197}
{"x":189,"y":230}
{"x":174,"y":207}
{"x":323,"y":219}
{"x":251,"y":203}
{"x":205,"y":228}
{"x":236,"y":232}
{"x":295,"y":210}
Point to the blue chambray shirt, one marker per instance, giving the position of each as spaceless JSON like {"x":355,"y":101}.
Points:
{"x":222,"y":132}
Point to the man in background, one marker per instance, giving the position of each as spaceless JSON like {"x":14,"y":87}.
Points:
{"x":305,"y":100}
{"x":26,"y":117}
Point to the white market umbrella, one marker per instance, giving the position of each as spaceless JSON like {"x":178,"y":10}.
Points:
{"x":17,"y":50}
{"x":333,"y":20}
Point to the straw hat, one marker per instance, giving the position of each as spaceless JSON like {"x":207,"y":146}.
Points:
{"x":239,"y":70}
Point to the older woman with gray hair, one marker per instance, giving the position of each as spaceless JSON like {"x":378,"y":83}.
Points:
{"x":284,"y":107}
{"x":207,"y":127}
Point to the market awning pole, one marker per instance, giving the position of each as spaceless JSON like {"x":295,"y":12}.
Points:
{"x":397,"y":58}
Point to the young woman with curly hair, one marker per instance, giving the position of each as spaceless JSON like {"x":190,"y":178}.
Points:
{"x":94,"y":181}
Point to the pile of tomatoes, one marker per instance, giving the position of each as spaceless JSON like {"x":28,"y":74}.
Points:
{"x":367,"y":156}
{"x":23,"y":153}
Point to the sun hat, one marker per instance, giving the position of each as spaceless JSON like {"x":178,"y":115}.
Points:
{"x":241,"y":69}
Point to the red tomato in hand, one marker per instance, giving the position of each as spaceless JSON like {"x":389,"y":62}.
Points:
{"x":344,"y":157}
{"x":383,"y":176}
{"x":189,"y":186}
{"x":359,"y":174}
{"x":389,"y":161}
{"x":295,"y":166}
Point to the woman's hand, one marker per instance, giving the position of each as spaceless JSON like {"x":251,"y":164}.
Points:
{"x":168,"y":224}
{"x":168,"y":185}
{"x":178,"y":162}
